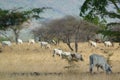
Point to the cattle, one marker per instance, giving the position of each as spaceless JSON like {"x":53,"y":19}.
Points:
{"x":6,"y":43}
{"x":44,"y":44}
{"x":19,"y":41}
{"x":66,"y":55}
{"x":108,"y":44}
{"x":93,"y":43}
{"x":57,"y":52}
{"x":76,"y":57}
{"x":72,"y":56}
{"x":31,"y":41}
{"x":100,"y":62}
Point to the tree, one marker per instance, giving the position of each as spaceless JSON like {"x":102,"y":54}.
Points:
{"x":68,"y":29}
{"x":98,"y":11}
{"x":14,"y":19}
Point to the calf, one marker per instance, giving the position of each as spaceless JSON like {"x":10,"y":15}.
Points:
{"x":99,"y":61}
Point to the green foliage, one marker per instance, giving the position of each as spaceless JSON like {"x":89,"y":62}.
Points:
{"x":9,"y":18}
{"x":114,"y":35}
{"x":96,"y":11}
{"x":93,"y":6}
{"x":37,"y":11}
{"x":3,"y":14}
{"x":14,"y":19}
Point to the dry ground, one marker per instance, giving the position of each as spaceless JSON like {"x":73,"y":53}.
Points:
{"x":31,"y":62}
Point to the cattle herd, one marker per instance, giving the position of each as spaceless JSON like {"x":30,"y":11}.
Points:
{"x":95,"y":60}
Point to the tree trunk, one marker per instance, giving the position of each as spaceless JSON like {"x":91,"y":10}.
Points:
{"x":16,"y":33}
{"x":16,"y":38}
{"x":76,"y":39}
{"x":68,"y":43}
{"x":76,"y":46}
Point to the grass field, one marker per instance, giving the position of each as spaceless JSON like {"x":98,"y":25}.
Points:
{"x":31,"y":62}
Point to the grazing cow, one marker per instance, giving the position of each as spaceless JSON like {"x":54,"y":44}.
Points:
{"x":66,"y":55}
{"x":31,"y":41}
{"x":108,"y":43}
{"x":99,"y":61}
{"x":44,"y":44}
{"x":6,"y":43}
{"x":76,"y":57}
{"x":57,"y":52}
{"x":93,"y":43}
{"x":20,"y":41}
{"x":72,"y":56}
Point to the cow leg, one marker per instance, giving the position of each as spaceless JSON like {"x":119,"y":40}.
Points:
{"x":91,"y":68}
{"x":104,"y":68}
{"x":98,"y":68}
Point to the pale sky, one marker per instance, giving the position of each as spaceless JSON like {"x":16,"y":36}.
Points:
{"x":60,"y":7}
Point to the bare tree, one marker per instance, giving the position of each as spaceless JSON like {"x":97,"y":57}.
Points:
{"x":68,"y":29}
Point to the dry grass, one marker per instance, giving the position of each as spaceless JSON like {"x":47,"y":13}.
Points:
{"x":30,"y":62}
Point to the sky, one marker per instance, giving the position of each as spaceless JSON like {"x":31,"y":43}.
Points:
{"x":60,"y":7}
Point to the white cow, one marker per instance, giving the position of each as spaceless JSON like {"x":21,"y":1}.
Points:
{"x":108,"y":43}
{"x":66,"y":55}
{"x":31,"y":41}
{"x":72,"y":56}
{"x":6,"y":43}
{"x":44,"y":44}
{"x":93,"y":43}
{"x":20,"y":41}
{"x":57,"y":52}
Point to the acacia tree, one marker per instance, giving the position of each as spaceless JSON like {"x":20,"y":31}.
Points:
{"x":98,"y":11}
{"x":14,"y":19}
{"x":3,"y":26}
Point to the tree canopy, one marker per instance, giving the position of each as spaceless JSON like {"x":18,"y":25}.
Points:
{"x":14,"y":18}
{"x":93,"y":9}
{"x":99,"y":11}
